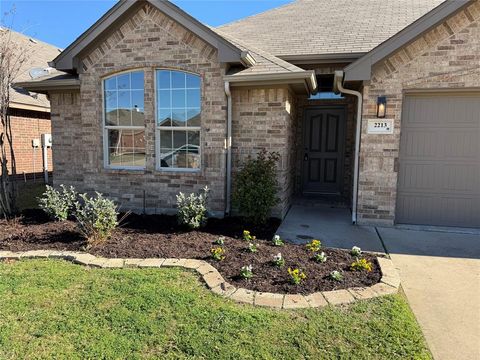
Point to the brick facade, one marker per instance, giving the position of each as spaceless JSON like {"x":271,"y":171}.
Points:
{"x":445,"y":57}
{"x":26,"y":126}
{"x":265,"y":118}
{"x":150,"y":40}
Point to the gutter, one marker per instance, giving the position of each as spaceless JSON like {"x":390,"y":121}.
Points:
{"x":228,"y":145}
{"x":43,"y":87}
{"x":338,"y":87}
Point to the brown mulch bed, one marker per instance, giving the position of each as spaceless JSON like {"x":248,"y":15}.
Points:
{"x":160,"y":236}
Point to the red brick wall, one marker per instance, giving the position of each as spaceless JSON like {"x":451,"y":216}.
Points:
{"x":26,"y":126}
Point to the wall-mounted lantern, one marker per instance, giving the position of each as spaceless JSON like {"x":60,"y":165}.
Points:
{"x":381,"y":107}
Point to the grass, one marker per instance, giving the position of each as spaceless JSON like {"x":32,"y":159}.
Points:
{"x":28,"y":194}
{"x":54,"y":309}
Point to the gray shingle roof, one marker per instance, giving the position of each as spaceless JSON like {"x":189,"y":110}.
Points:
{"x":323,"y":27}
{"x":38,"y":54}
{"x":265,"y":63}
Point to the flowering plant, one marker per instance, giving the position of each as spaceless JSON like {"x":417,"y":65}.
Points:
{"x":296,"y":276}
{"x":252,"y":247}
{"x":246,"y":272}
{"x":336,"y":275}
{"x":320,"y":257}
{"x":314,"y":246}
{"x":356,"y":251}
{"x":248,"y":237}
{"x":277,"y":241}
{"x":218,"y":253}
{"x":220,"y":240}
{"x":279,"y":260}
{"x":361,"y":264}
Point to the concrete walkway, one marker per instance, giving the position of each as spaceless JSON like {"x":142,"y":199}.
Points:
{"x":440,"y":275}
{"x":440,"y":272}
{"x":331,"y":225}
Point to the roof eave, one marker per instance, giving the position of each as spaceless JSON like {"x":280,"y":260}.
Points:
{"x":361,"y":70}
{"x":68,"y":61}
{"x":306,"y":78}
{"x":46,"y":86}
{"x":322,"y":58}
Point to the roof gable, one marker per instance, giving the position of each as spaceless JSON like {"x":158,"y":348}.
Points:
{"x":68,"y":60}
{"x":362,"y":68}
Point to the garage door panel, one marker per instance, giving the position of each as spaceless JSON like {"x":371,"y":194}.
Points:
{"x":439,"y":172}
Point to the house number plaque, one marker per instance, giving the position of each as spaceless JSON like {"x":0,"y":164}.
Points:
{"x":380,"y":126}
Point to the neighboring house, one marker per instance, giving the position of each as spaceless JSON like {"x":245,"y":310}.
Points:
{"x":30,"y":111}
{"x":149,"y":102}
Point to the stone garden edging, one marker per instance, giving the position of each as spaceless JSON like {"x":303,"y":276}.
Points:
{"x":389,"y":283}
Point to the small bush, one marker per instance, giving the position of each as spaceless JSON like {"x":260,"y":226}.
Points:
{"x":361,"y":264}
{"x":97,"y":217}
{"x":58,"y":204}
{"x":256,"y":186}
{"x":218,"y":253}
{"x":192,"y":209}
{"x":220,"y":240}
{"x":252,"y":247}
{"x":247,"y":236}
{"x":356,"y":251}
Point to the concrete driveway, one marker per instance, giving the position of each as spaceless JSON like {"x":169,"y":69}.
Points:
{"x":440,"y":275}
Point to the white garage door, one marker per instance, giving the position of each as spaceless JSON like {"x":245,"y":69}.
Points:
{"x":439,"y":168}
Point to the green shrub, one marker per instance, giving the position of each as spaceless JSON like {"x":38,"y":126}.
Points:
{"x":361,"y":264}
{"x":256,"y":187}
{"x":97,"y":217}
{"x":192,"y":209}
{"x":58,"y":204}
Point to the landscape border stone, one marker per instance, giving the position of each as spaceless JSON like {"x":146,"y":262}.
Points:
{"x":389,"y":283}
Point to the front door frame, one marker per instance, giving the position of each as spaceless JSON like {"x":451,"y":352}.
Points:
{"x":343,"y":141}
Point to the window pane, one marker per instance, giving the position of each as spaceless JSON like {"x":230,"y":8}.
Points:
{"x":164,"y":99}
{"x":122,"y":149}
{"x":193,"y":81}
{"x":193,"y":117}
{"x":111,"y":84}
{"x":178,"y":80}
{"x":138,"y":114}
{"x":137,"y":80}
{"x":178,"y":98}
{"x":123,"y":82}
{"x":163,"y":79}
{"x":111,"y":118}
{"x":194,"y":139}
{"x":164,"y":117}
{"x":124,"y":117}
{"x":166,"y":154}
{"x":124,"y":100}
{"x":179,"y":117}
{"x":110,"y":100}
{"x":193,"y":98}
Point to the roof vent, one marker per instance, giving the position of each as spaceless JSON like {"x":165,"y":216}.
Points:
{"x":39,"y":72}
{"x":33,"y":40}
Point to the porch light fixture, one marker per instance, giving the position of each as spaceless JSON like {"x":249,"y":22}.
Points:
{"x":381,"y":107}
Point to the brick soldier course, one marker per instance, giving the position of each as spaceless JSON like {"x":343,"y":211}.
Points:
{"x":389,"y":283}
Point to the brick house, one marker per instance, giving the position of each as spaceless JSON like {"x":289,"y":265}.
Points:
{"x":375,"y":106}
{"x":30,"y":111}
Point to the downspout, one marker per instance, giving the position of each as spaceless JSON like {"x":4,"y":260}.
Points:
{"x":338,"y":86}
{"x":228,"y":145}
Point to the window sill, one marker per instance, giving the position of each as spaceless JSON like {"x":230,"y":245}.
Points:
{"x":179,"y":171}
{"x":115,"y":170}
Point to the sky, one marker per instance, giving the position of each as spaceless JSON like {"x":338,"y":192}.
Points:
{"x":60,"y":22}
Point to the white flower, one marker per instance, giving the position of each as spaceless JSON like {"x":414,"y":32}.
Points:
{"x":356,"y":251}
{"x":247,"y":268}
{"x":278,"y":257}
{"x":321,"y":257}
{"x":276,"y":238}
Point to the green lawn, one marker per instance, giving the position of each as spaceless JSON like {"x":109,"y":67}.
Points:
{"x":54,"y":309}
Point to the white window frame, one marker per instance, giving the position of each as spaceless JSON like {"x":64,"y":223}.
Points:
{"x":106,"y":154}
{"x":158,"y":161}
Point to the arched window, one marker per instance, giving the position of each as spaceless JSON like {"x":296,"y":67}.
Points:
{"x":124,"y":121}
{"x":178,"y":120}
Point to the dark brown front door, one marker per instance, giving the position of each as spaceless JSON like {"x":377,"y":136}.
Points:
{"x":324,"y":142}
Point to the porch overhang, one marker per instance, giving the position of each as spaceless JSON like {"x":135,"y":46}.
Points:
{"x":299,"y":81}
